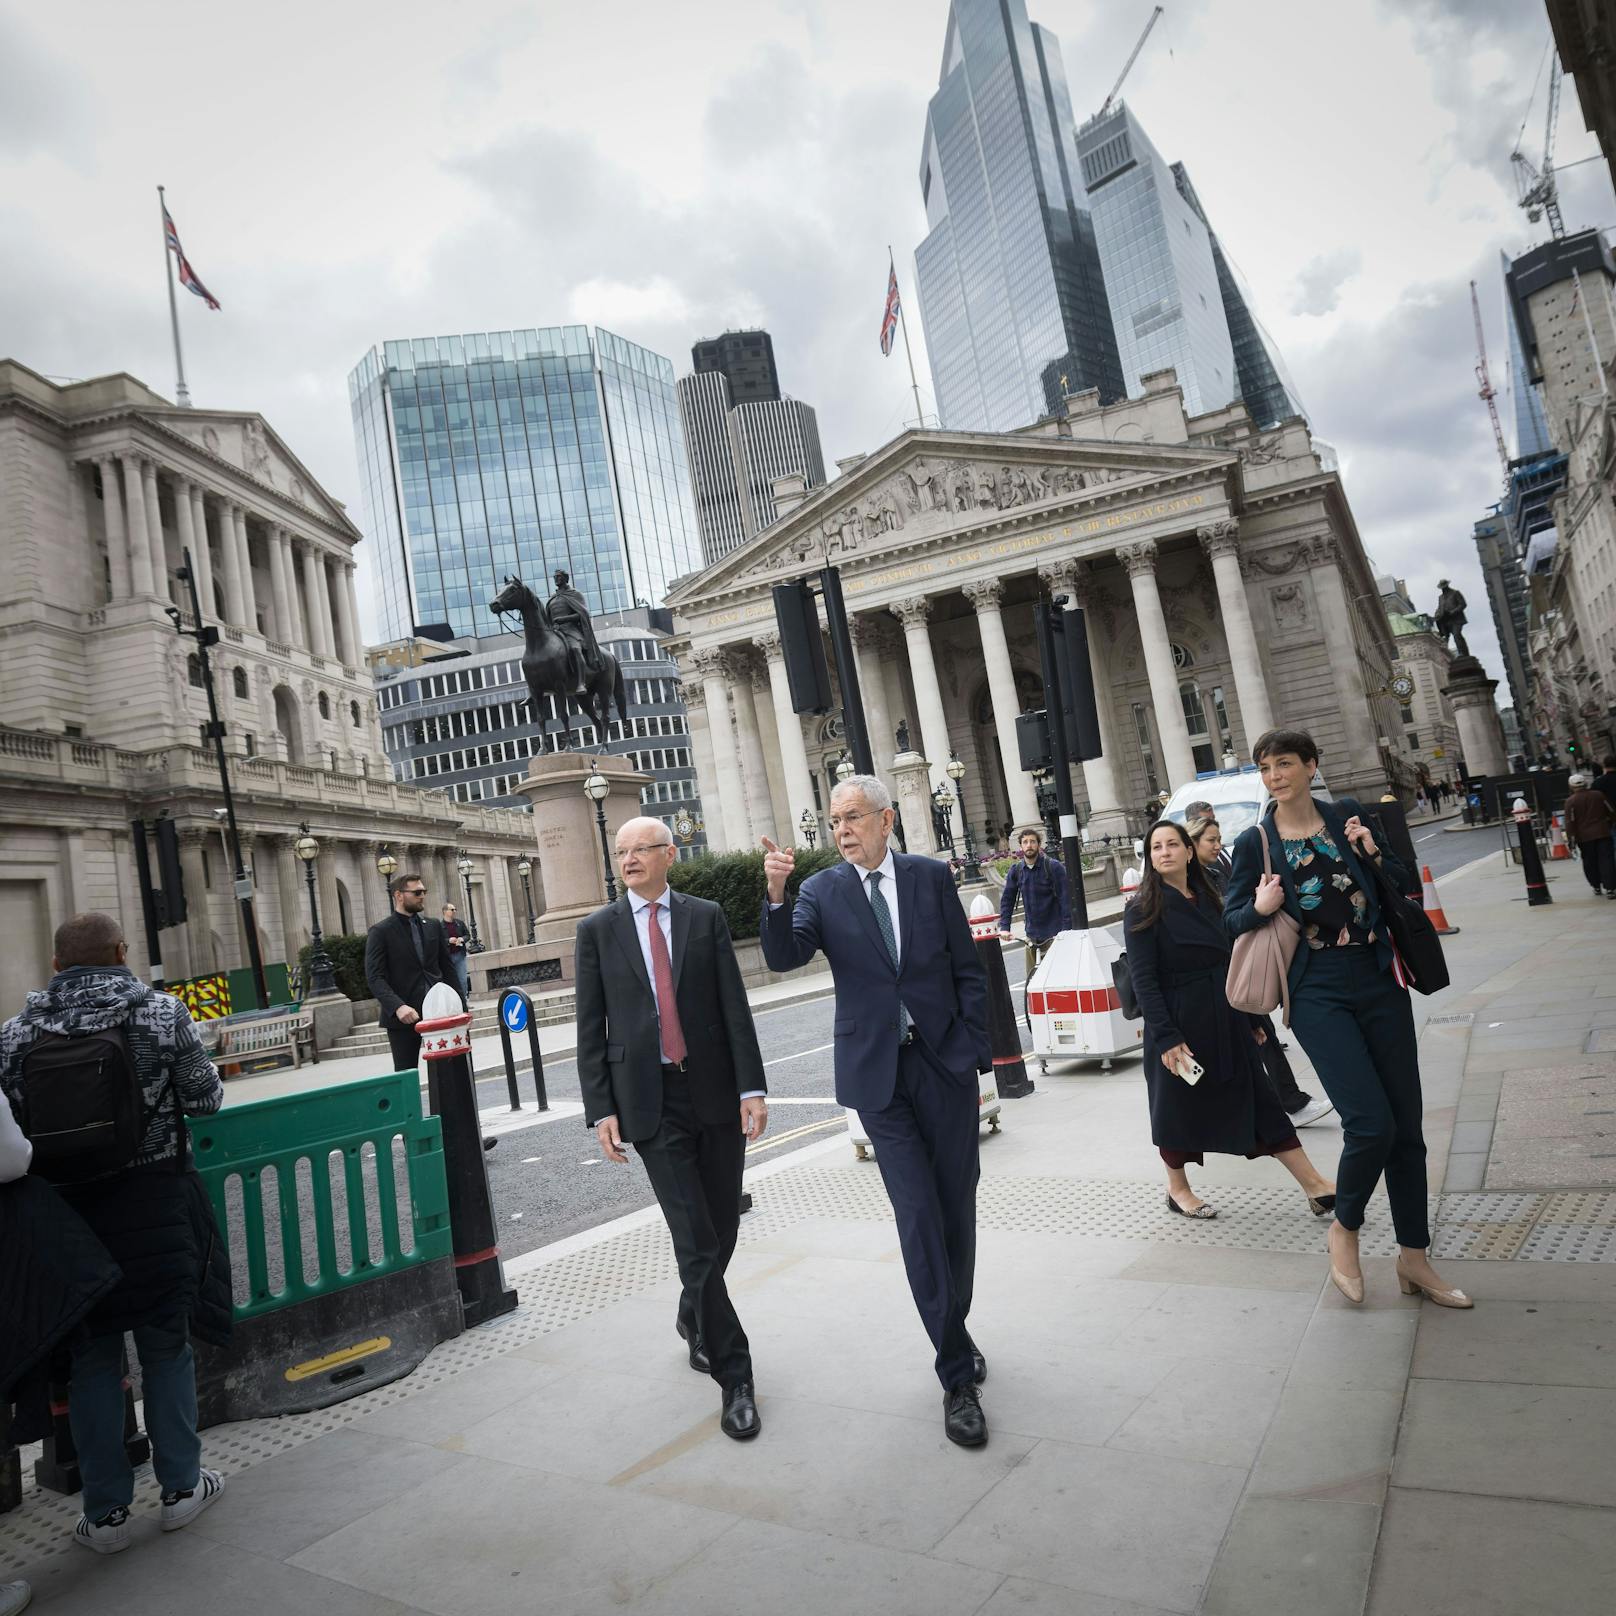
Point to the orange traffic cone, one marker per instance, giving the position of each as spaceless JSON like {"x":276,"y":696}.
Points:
{"x":1433,"y":904}
{"x":1558,"y":847}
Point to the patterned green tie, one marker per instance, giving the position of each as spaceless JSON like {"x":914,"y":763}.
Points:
{"x":883,"y":919}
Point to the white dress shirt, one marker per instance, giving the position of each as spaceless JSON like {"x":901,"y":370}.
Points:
{"x":642,"y":930}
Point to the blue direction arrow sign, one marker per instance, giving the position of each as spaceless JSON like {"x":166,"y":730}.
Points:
{"x":513,"y":1012}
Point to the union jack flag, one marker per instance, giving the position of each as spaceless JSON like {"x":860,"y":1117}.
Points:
{"x":889,"y":320}
{"x":188,"y":277}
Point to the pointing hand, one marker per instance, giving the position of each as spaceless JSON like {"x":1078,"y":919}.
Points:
{"x":778,"y":863}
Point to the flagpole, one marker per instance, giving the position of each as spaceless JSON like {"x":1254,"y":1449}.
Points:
{"x":182,"y":394}
{"x":892,"y":268}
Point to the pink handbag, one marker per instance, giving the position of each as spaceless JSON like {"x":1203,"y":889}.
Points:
{"x":1259,"y":967}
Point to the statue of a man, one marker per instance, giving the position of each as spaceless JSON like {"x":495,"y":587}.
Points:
{"x":569,"y":617}
{"x":1450,"y":616}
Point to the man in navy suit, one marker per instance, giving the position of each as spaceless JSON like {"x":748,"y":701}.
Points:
{"x":911,"y":1036}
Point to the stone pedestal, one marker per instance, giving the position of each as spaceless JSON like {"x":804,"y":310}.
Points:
{"x":333,"y":1018}
{"x":568,"y":836}
{"x":1481,"y":734}
{"x":911,"y":791}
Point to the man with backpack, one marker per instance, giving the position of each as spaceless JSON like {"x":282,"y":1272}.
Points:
{"x":100,"y":1070}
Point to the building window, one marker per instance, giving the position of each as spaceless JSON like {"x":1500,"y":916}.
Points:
{"x":249,"y":743}
{"x":325,"y":705}
{"x":1413,"y":740}
{"x":238,"y":683}
{"x":193,"y":670}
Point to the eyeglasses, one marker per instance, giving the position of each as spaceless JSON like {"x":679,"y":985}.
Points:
{"x":838,"y":820}
{"x":414,"y":892}
{"x":644,"y":850}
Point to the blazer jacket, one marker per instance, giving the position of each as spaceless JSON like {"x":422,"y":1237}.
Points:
{"x":940,"y":981}
{"x":1239,"y":901}
{"x":393,"y":972}
{"x":620,"y":1038}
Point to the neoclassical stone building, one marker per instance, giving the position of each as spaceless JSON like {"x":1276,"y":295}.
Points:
{"x":103,"y":486}
{"x":1224,"y":579}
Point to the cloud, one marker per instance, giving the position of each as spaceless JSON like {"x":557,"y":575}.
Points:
{"x":1318,"y":286}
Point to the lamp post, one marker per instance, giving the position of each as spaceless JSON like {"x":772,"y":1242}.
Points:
{"x":809,"y":826}
{"x":598,"y":788}
{"x":322,"y":978}
{"x":465,"y":866}
{"x":955,"y":770}
{"x":386,"y":864}
{"x":524,"y":868}
{"x":846,"y":768}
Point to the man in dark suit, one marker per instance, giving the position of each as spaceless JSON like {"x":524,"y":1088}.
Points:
{"x":668,"y":1061}
{"x":911,"y":1035}
{"x":404,"y":955}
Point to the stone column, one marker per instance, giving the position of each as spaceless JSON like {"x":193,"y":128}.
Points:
{"x":154,"y":529}
{"x":235,"y":610}
{"x":1481,"y":735}
{"x":759,"y":803}
{"x":277,"y":586}
{"x":701,"y":754}
{"x":1221,"y":542}
{"x":1350,"y":696}
{"x":296,"y":634}
{"x":1178,"y":760}
{"x":319,"y":620}
{"x":249,"y":594}
{"x":872,"y":643}
{"x":986,"y":597}
{"x":714,"y":675}
{"x":328,"y":626}
{"x":293,"y":899}
{"x":793,"y":750}
{"x":198,"y":933}
{"x":134,"y":502}
{"x":353,"y":652}
{"x":202,"y":556}
{"x":117,"y":535}
{"x":185,"y":528}
{"x":325,"y":876}
{"x":1106,"y":817}
{"x":914,"y":613}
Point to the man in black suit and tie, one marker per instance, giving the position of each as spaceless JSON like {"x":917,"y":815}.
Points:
{"x":668,"y":1061}
{"x":404,"y":955}
{"x":911,"y":1035}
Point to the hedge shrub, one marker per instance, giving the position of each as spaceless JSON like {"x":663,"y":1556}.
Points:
{"x":347,"y":956}
{"x":734,"y":881}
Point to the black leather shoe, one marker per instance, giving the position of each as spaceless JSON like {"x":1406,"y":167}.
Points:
{"x":699,"y":1361}
{"x":979,"y":1367}
{"x":963,"y":1419}
{"x":489,"y":1141}
{"x":740,"y":1417}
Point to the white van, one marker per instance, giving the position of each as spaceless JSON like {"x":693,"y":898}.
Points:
{"x":1238,"y":799}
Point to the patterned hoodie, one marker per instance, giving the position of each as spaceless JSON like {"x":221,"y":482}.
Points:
{"x":162,"y":1038}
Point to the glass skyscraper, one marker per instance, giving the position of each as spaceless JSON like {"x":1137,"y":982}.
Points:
{"x":519,"y":452}
{"x":1011,"y":295}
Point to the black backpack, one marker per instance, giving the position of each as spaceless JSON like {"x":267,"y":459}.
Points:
{"x":82,"y":1105}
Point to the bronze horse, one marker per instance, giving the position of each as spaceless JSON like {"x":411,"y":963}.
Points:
{"x":546,"y":666}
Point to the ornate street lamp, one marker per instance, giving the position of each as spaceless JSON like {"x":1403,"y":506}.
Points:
{"x":465,"y":866}
{"x":322,"y":977}
{"x":846,"y":768}
{"x":524,"y":868}
{"x":942,"y":800}
{"x":955,"y":770}
{"x":809,"y":827}
{"x":598,"y":788}
{"x":386,"y":864}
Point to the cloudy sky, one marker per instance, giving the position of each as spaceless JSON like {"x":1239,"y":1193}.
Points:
{"x":347,"y":172}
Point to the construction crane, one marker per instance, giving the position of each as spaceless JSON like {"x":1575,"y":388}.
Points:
{"x":1127,"y":65}
{"x":1489,"y":395}
{"x":1539,"y":191}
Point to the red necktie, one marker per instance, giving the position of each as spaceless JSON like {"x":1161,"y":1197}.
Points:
{"x":673,"y":1037}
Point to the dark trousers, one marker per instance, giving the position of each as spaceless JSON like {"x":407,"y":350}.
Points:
{"x":1357,"y":1027}
{"x":926,"y":1145}
{"x":1281,"y":1079}
{"x":1599,"y":863}
{"x":405,"y":1044}
{"x":696,"y":1173}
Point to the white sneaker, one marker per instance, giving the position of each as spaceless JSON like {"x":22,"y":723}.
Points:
{"x":1311,"y":1112}
{"x":14,"y":1596}
{"x":109,"y":1535}
{"x":181,"y":1508}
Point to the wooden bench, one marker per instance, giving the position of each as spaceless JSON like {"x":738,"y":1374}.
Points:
{"x":236,"y":1044}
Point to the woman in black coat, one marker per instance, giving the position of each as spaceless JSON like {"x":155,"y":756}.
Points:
{"x":1178,"y":957}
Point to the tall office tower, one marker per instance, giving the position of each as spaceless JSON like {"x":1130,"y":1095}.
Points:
{"x":1261,"y":380}
{"x":519,"y":452}
{"x":1160,"y":275}
{"x":736,"y":451}
{"x":1527,"y":420}
{"x":745,"y":359}
{"x":1507,"y":598}
{"x":1011,"y":295}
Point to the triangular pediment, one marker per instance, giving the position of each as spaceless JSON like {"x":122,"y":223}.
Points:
{"x":928,"y":484}
{"x":249,"y":444}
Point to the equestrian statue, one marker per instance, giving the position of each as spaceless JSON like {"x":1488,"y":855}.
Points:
{"x":561,"y":658}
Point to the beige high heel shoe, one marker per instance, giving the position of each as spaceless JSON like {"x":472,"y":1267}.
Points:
{"x":1412,"y":1287}
{"x":1352,"y":1289}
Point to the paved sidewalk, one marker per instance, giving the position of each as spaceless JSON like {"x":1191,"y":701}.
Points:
{"x":1184,"y":1416}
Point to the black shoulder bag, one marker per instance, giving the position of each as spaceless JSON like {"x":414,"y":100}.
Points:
{"x":1418,"y":948}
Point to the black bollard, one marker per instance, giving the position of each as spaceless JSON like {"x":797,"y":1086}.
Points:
{"x":1009,"y":1068}
{"x":1537,"y":884}
{"x":516,"y":1015}
{"x":446,"y":1046}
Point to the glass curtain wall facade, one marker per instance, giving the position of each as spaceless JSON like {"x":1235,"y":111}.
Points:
{"x":518,"y":452}
{"x":1010,"y":290}
{"x":1528,"y":422}
{"x":1160,"y":277}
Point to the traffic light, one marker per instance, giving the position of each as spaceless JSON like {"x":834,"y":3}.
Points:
{"x":1573,"y":749}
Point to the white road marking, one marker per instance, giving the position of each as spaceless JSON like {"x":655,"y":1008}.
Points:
{"x":818,"y":1049}
{"x":528,"y":1161}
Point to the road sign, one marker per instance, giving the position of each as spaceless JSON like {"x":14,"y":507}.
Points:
{"x":514,"y":1011}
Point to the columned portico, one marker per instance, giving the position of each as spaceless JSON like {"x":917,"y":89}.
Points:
{"x":235,"y":609}
{"x":319,"y":622}
{"x":701,"y":751}
{"x":986,"y":596}
{"x":249,"y":595}
{"x":348,"y":617}
{"x":759,"y":806}
{"x":154,"y":528}
{"x":1140,"y":561}
{"x":714,"y":677}
{"x":134,"y":504}
{"x":914,"y":613}
{"x":202,"y":555}
{"x":872,"y":641}
{"x":793,"y":750}
{"x":116,"y":535}
{"x":1221,"y":542}
{"x":278,"y":592}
